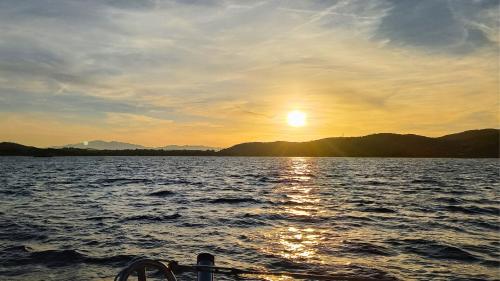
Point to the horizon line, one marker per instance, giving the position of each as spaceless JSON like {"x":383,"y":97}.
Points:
{"x":220,"y":148}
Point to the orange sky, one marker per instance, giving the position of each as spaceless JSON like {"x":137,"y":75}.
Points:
{"x":223,"y":73}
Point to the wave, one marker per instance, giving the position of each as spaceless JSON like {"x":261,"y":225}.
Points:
{"x":162,"y":193}
{"x":491,"y":263}
{"x":262,"y":219}
{"x":336,"y":272}
{"x":16,"y":192}
{"x":435,"y":250}
{"x":361,"y":202}
{"x":449,"y":200}
{"x":18,"y":232}
{"x":349,"y":218}
{"x":473,"y":210}
{"x":374,"y":183}
{"x":488,"y":225}
{"x":233,"y":200}
{"x":382,"y":210}
{"x":155,"y":218}
{"x":178,"y":182}
{"x":367,"y":248}
{"x":290,"y":180}
{"x":99,"y":218}
{"x":242,"y":222}
{"x":428,"y":181}
{"x":123,"y":181}
{"x":189,"y":224}
{"x":22,"y":255}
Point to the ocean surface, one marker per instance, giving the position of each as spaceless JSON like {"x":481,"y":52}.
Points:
{"x":84,"y":218}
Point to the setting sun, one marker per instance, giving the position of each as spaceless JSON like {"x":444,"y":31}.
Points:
{"x":296,"y":118}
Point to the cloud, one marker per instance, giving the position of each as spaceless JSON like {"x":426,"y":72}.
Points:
{"x":88,"y":107}
{"x":439,"y":25}
{"x":231,"y":71}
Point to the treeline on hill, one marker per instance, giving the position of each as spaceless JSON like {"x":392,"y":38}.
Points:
{"x":469,"y":144}
{"x":14,"y":149}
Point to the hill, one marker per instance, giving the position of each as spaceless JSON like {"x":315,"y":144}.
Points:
{"x":188,"y":147}
{"x":14,"y":149}
{"x":471,"y":144}
{"x":10,"y":148}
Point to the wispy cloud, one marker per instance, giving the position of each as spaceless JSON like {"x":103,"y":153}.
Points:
{"x":448,"y":26}
{"x":229,"y":70}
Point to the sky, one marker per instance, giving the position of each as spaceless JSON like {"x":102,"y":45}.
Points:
{"x":221,"y":72}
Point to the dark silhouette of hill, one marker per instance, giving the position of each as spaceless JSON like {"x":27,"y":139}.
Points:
{"x":469,"y":144}
{"x":476,"y":143}
{"x":10,"y":148}
{"x":14,"y":149}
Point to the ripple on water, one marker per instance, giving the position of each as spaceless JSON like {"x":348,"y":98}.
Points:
{"x":152,"y":218}
{"x":162,"y":193}
{"x":412,"y":219}
{"x":24,"y":255}
{"x":433,"y":249}
{"x":233,"y":200}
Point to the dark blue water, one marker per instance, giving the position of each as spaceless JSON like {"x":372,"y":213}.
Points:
{"x":83,"y":218}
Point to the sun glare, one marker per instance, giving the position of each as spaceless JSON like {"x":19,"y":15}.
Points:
{"x":296,"y":118}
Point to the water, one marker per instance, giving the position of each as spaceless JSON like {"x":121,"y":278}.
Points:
{"x":83,"y":218}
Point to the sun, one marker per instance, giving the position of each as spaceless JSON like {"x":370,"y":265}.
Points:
{"x":296,"y":118}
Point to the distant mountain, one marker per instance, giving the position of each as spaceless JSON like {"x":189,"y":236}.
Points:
{"x":14,"y":149}
{"x":188,"y":147}
{"x":115,"y":145}
{"x":476,"y":143}
{"x":100,"y":145}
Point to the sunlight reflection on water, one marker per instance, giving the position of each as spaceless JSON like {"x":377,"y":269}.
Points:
{"x":409,"y":218}
{"x":295,"y":241}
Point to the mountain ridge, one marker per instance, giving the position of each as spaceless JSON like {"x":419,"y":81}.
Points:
{"x":116,"y":145}
{"x":473,"y":143}
{"x":483,"y":143}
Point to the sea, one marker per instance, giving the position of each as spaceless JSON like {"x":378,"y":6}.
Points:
{"x":85,"y":218}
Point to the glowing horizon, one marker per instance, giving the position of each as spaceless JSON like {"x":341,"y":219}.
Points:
{"x":218,"y":73}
